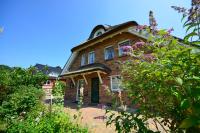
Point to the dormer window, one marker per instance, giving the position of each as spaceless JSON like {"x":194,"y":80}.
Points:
{"x":99,"y":32}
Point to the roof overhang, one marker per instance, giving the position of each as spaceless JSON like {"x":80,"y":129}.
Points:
{"x":88,"y":69}
{"x":109,"y":34}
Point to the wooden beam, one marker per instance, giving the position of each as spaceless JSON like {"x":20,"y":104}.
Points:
{"x":85,"y":79}
{"x":72,"y":78}
{"x":100,"y":79}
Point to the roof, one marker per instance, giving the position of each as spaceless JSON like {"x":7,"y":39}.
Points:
{"x":49,"y":70}
{"x":89,"y":68}
{"x":108,"y":29}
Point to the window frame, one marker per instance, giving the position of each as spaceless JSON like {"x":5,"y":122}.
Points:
{"x":105,"y":52}
{"x":97,"y":31}
{"x":89,"y":57}
{"x":119,"y":43}
{"x":48,"y":82}
{"x":111,"y":85}
{"x":84,"y":59}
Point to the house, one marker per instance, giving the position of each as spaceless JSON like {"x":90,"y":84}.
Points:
{"x":52,"y":73}
{"x":94,"y":63}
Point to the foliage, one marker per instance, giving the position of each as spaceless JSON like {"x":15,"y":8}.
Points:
{"x":192,"y":22}
{"x":58,"y":89}
{"x":126,"y":122}
{"x":40,"y":121}
{"x":163,"y":78}
{"x":22,"y":101}
{"x":58,"y":93}
{"x":20,"y":91}
{"x":11,"y":79}
{"x":22,"y":109}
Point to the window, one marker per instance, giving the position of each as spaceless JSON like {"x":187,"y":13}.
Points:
{"x":109,"y":53}
{"x":115,"y":83}
{"x":83,"y":59}
{"x":91,"y":57}
{"x":121,"y":44}
{"x":71,"y":85}
{"x":99,"y":33}
{"x":47,"y":82}
{"x":80,"y":84}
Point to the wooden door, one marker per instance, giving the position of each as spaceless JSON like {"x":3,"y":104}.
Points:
{"x":95,"y":90}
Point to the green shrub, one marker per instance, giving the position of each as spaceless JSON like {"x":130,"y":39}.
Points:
{"x":58,"y":89}
{"x":46,"y":122}
{"x":11,"y":79}
{"x":25,"y":98}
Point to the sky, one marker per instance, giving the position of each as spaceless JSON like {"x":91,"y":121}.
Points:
{"x":44,"y":31}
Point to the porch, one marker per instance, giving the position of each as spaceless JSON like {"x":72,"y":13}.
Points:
{"x":87,"y":81}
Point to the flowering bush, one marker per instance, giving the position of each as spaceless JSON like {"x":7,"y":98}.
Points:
{"x":192,"y":22}
{"x":163,"y":77}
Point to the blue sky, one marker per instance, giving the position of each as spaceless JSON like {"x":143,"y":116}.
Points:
{"x":44,"y":31}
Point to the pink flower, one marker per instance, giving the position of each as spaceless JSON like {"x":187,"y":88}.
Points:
{"x":141,"y":27}
{"x":139,"y":44}
{"x":134,"y":47}
{"x":149,"y":57}
{"x":127,"y":48}
{"x":170,"y":30}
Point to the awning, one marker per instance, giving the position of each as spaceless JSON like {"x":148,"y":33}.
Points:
{"x":88,"y":69}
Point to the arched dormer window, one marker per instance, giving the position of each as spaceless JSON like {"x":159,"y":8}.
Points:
{"x":98,"y":32}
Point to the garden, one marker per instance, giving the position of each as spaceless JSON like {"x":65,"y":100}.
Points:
{"x":162,"y":78}
{"x":22,"y":108}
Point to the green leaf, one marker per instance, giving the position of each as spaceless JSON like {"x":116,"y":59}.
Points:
{"x":196,"y":42}
{"x":188,"y":122}
{"x":190,"y":25}
{"x":186,"y":22}
{"x":185,"y":104}
{"x":183,"y":18}
{"x":179,"y":81}
{"x":194,"y":78}
{"x":195,"y":92}
{"x":186,"y":38}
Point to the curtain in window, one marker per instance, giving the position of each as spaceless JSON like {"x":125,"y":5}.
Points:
{"x":83,"y":60}
{"x":116,"y":83}
{"x":109,"y":53}
{"x":91,"y":57}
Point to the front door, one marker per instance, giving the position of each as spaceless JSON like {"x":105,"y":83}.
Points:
{"x":95,"y":90}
